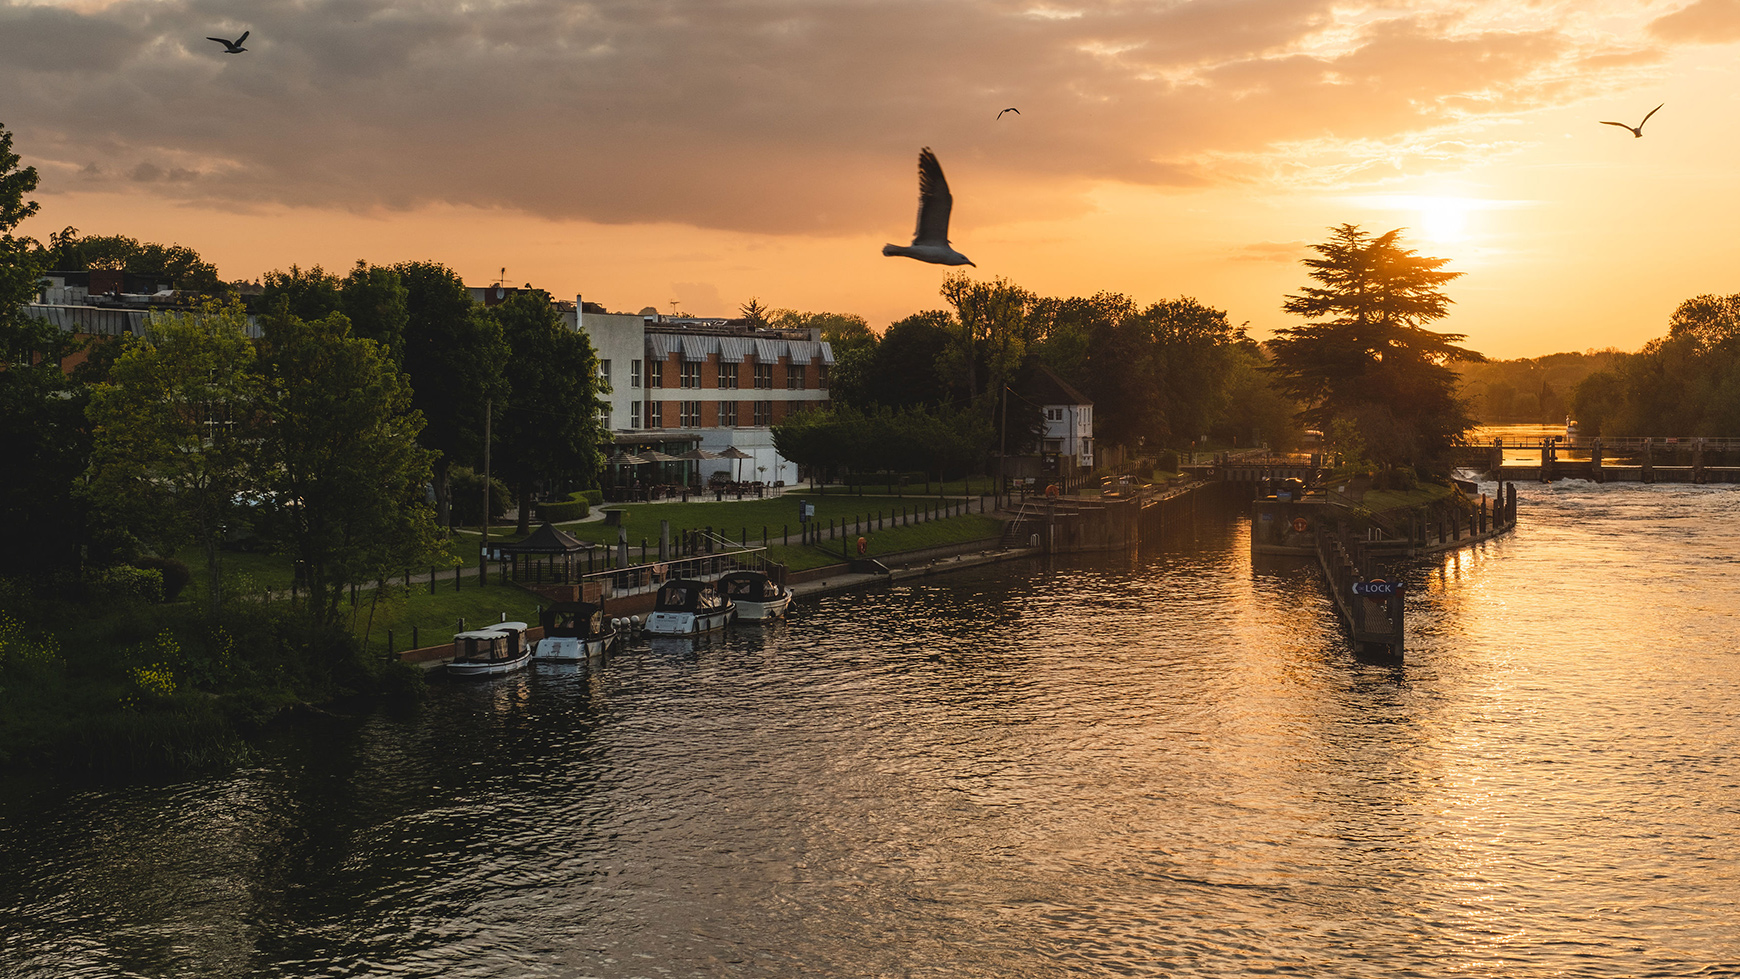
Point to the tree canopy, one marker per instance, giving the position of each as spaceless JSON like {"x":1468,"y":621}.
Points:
{"x":1684,"y":384}
{"x":67,"y":251}
{"x":1367,"y":357}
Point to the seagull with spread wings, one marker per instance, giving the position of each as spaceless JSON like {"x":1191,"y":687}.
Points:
{"x":930,"y":242}
{"x":1637,"y":130}
{"x":1010,"y":109}
{"x":232,"y":47}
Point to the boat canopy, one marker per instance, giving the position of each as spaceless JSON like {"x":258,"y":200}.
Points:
{"x":687,"y":595}
{"x":748,"y":586}
{"x":572,"y":620}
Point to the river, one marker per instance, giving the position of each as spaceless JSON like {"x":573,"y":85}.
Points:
{"x":1167,"y":764}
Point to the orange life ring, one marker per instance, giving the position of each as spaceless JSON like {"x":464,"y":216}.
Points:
{"x":1051,"y":492}
{"x":1301,"y":525}
{"x":860,"y":547}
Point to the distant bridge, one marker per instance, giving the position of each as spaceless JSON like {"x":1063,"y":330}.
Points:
{"x":1635,"y":460}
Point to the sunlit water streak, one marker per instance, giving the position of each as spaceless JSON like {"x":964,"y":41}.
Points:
{"x":1165,"y":765}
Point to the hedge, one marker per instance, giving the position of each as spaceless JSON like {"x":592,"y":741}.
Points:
{"x":562,"y":512}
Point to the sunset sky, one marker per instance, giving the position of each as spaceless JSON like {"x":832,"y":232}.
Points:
{"x":707,"y":151}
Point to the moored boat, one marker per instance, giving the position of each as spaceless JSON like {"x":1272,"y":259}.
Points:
{"x":494,"y":649}
{"x":574,"y":632}
{"x":686,"y":607}
{"x":757,"y":596}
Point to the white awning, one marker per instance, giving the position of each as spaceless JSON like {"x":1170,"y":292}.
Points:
{"x":661,"y":345}
{"x":802,"y":351}
{"x":768,"y":351}
{"x":696,"y":349}
{"x":732,"y":350}
{"x":827,"y":353}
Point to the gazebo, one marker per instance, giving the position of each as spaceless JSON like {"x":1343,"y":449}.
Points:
{"x":557,"y":549}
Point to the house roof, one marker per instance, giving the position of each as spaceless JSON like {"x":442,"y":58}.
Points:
{"x":1049,"y":389}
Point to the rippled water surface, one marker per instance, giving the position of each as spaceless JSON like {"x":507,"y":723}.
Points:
{"x":1167,"y":764}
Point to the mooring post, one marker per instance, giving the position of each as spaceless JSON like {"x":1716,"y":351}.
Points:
{"x":1647,"y":464}
{"x":1495,"y":459}
{"x":1595,"y":462}
{"x":1698,"y":460}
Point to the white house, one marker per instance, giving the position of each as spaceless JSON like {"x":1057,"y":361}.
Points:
{"x":1068,"y":443}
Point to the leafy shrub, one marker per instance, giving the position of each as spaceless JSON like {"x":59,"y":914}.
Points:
{"x":1168,"y":461}
{"x":466,"y":486}
{"x":123,"y":583}
{"x":558,"y":512}
{"x":595,"y":497}
{"x":176,"y":574}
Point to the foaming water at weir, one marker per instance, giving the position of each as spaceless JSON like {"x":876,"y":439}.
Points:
{"x":1168,"y":763}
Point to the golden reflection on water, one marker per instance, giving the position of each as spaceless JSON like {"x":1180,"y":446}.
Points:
{"x":1162,"y":764}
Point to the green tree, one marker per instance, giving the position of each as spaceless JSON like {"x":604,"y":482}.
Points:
{"x":43,"y":436}
{"x":550,"y":430}
{"x":175,"y":439}
{"x":181,"y":265}
{"x":309,"y":294}
{"x":375,"y":301}
{"x":904,"y":370}
{"x":991,"y":338}
{"x":345,"y":474}
{"x":854,"y":345}
{"x":1368,"y":358}
{"x":454,"y":354}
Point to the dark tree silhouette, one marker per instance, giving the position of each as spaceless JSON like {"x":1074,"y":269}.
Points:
{"x":1367,"y":358}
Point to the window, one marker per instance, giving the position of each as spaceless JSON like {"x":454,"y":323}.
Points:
{"x":690,"y":414}
{"x":727,"y":414}
{"x":794,"y":377}
{"x":604,"y":420}
{"x":1054,"y":414}
{"x":634,"y":373}
{"x":655,"y":373}
{"x":655,"y":414}
{"x":634,"y":414}
{"x":822,"y":376}
{"x":691,"y":374}
{"x":1052,"y":446}
{"x":728,"y":376}
{"x":763,"y":375}
{"x":604,"y":370}
{"x":764,"y":413}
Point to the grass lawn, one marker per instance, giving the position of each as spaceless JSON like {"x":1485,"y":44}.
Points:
{"x":437,"y":616}
{"x":1382,"y":501}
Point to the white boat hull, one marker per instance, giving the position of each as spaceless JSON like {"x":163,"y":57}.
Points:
{"x":764,"y":611}
{"x":490,"y":668}
{"x":686,"y":623}
{"x":571,"y":650}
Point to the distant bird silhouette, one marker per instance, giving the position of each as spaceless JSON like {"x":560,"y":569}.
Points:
{"x":1010,"y":109}
{"x":930,"y":241}
{"x":1637,"y":130}
{"x":232,"y":47}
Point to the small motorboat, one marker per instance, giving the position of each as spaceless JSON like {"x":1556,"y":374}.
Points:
{"x":686,"y":607}
{"x":574,"y":632}
{"x":492,"y":650}
{"x":757,"y":596}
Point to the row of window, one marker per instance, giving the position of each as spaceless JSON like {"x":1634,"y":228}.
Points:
{"x":691,"y":415}
{"x":796,"y":375}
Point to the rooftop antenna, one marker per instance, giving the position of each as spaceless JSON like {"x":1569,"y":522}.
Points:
{"x":673,"y":308}
{"x":503,"y":280}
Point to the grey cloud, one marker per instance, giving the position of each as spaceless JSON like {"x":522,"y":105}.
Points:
{"x":753,"y":115}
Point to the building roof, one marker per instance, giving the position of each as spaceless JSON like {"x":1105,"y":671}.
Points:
{"x":1049,"y":389}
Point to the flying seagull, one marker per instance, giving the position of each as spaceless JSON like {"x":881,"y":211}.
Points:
{"x":1010,"y":109}
{"x":1637,"y":130}
{"x":232,"y":47}
{"x":930,"y":242}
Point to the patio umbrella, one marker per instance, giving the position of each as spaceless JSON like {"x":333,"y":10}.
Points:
{"x":698,"y":455}
{"x":657,"y":456}
{"x":627,"y":459}
{"x":733,"y":452}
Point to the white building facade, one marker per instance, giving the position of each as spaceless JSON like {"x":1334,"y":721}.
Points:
{"x":712,"y":384}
